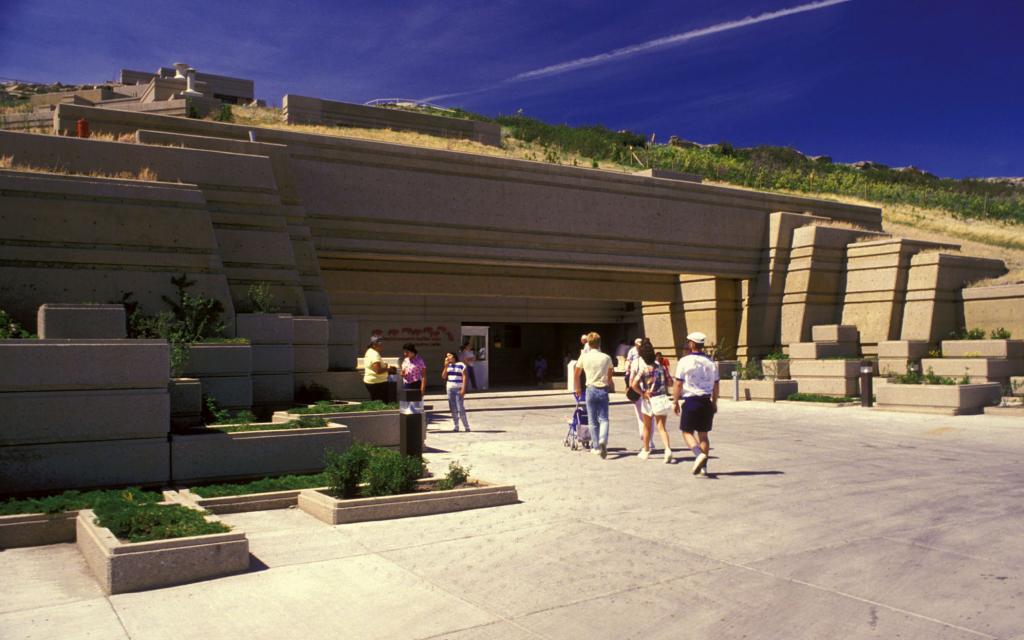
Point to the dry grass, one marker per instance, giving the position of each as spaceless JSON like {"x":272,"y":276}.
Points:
{"x":511,"y":148}
{"x":145,"y":174}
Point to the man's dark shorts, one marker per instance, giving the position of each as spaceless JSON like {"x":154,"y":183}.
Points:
{"x":697,"y":414}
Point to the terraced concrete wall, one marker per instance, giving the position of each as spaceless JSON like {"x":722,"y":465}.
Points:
{"x":80,"y":239}
{"x":995,"y":307}
{"x":240,"y":195}
{"x":934,"y":306}
{"x":876,"y":287}
{"x":305,"y":110}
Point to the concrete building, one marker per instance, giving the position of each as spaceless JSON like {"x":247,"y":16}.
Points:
{"x":422,"y":244}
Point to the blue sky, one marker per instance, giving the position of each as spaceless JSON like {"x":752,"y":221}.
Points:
{"x":934,"y":83}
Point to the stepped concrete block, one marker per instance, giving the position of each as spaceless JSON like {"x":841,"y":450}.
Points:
{"x":343,"y":331}
{"x":775,"y":369}
{"x":219,"y":360}
{"x":64,"y":321}
{"x":43,"y":365}
{"x":310,"y":358}
{"x":905,"y":349}
{"x":379,"y":428}
{"x":123,"y":567}
{"x":835,"y":333}
{"x":273,"y":389}
{"x":217,"y":455}
{"x":272,"y":358}
{"x":977,"y":369}
{"x":767,"y":390}
{"x":1017,"y":385}
{"x":1009,"y":349}
{"x":934,"y":301}
{"x":79,"y":416}
{"x":959,"y":399}
{"x":840,"y":387}
{"x":344,"y":385}
{"x":186,"y":396}
{"x":80,"y":465}
{"x":311,"y":330}
{"x":825,"y":368}
{"x":265,"y":328}
{"x":342,"y":357}
{"x":820,"y":350}
{"x":995,"y":307}
{"x":230,"y":392}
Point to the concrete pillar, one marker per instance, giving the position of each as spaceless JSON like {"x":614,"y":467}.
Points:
{"x":934,"y":306}
{"x":702,"y":303}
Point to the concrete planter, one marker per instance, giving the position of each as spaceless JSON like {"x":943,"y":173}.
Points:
{"x":334,"y":511}
{"x":65,"y":365}
{"x":215,"y":455}
{"x":767,"y":390}
{"x":775,"y":369}
{"x":243,"y":503}
{"x":186,"y":403}
{"x":895,"y":356}
{"x":122,"y":567}
{"x":976,"y":369}
{"x":725,"y":368}
{"x":37,"y":529}
{"x":835,"y":333}
{"x":80,"y":465}
{"x":88,"y":321}
{"x":1008,"y":349}
{"x":822,"y":350}
{"x":958,"y":399}
{"x":380,"y":428}
{"x":265,"y":328}
{"x":225,"y":371}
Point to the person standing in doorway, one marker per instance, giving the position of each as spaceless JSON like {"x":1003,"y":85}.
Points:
{"x":414,"y":372}
{"x":633,"y":366}
{"x":375,"y":370}
{"x":697,"y":377}
{"x":454,"y":374}
{"x":620,"y":354}
{"x":540,"y":369}
{"x":600,"y":374}
{"x":468,"y":358}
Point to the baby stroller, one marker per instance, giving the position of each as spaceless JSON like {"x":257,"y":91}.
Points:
{"x":578,"y":435}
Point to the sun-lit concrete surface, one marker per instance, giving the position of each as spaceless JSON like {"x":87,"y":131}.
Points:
{"x":814,"y":522}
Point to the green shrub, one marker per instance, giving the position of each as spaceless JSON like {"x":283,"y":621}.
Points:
{"x":963,"y":333}
{"x":457,"y":475}
{"x":196,"y":317}
{"x":72,"y":501}
{"x":916,"y":377}
{"x":776,"y":355}
{"x":263,"y":485}
{"x":9,"y":329}
{"x":135,"y":521}
{"x":1000,"y":334}
{"x":751,"y":370}
{"x":260,"y":298}
{"x":224,"y":115}
{"x":244,"y":421}
{"x":213,"y":413}
{"x":345,"y":470}
{"x":389,"y":473}
{"x":325,"y":406}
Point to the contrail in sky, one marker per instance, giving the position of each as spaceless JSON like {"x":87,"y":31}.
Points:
{"x":651,"y":45}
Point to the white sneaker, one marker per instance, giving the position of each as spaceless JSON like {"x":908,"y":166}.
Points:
{"x":594,"y":449}
{"x":644,"y":454}
{"x":699,"y":463}
{"x":668,"y":456}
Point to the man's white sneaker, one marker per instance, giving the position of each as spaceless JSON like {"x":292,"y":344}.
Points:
{"x":668,"y":456}
{"x":594,"y":449}
{"x":699,"y":463}
{"x":644,"y":454}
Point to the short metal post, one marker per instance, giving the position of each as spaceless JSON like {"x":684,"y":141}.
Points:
{"x":736,"y":386}
{"x":867,"y":372}
{"x":410,"y":433}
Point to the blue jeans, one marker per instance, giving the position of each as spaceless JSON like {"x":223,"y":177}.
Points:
{"x":597,"y":415}
{"x":457,"y":405}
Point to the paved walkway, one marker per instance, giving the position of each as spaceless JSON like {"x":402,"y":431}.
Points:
{"x":815,"y":523}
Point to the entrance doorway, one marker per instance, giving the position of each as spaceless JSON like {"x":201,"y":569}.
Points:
{"x":476,"y":336}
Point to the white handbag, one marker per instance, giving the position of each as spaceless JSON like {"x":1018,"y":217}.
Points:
{"x":661,"y":404}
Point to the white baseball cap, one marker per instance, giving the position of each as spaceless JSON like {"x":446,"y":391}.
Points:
{"x":697,"y":337}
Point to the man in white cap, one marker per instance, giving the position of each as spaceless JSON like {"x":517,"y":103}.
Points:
{"x":698,"y":385}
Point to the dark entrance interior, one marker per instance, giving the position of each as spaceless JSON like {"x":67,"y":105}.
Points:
{"x":514,"y":347}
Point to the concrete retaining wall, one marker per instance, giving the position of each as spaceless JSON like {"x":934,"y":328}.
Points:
{"x":934,"y":303}
{"x":60,"y":321}
{"x":305,"y":110}
{"x":995,"y":307}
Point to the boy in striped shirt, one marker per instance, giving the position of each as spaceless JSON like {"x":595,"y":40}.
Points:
{"x":454,"y":374}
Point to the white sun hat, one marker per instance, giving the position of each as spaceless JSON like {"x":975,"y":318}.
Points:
{"x":697,"y":337}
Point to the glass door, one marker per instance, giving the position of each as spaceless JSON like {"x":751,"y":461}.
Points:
{"x":475,"y":352}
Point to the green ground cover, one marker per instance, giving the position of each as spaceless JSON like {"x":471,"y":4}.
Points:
{"x":73,"y":501}
{"x":141,"y":521}
{"x":305,"y":422}
{"x":817,"y":397}
{"x":263,"y":485}
{"x":327,"y":406}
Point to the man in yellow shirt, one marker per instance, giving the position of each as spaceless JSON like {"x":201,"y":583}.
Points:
{"x":375,"y":370}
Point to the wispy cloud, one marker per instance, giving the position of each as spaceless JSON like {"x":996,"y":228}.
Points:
{"x":665,"y":42}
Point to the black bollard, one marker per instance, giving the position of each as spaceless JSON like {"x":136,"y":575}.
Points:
{"x":410,"y":433}
{"x":867,"y":371}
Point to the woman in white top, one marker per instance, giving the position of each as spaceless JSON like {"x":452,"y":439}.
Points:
{"x":650,"y":382}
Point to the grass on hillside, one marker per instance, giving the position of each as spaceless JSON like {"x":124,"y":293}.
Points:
{"x":145,"y":174}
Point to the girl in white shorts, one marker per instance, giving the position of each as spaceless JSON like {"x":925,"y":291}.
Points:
{"x":655,"y":402}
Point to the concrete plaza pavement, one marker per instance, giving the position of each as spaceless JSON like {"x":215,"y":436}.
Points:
{"x":815,"y":522}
